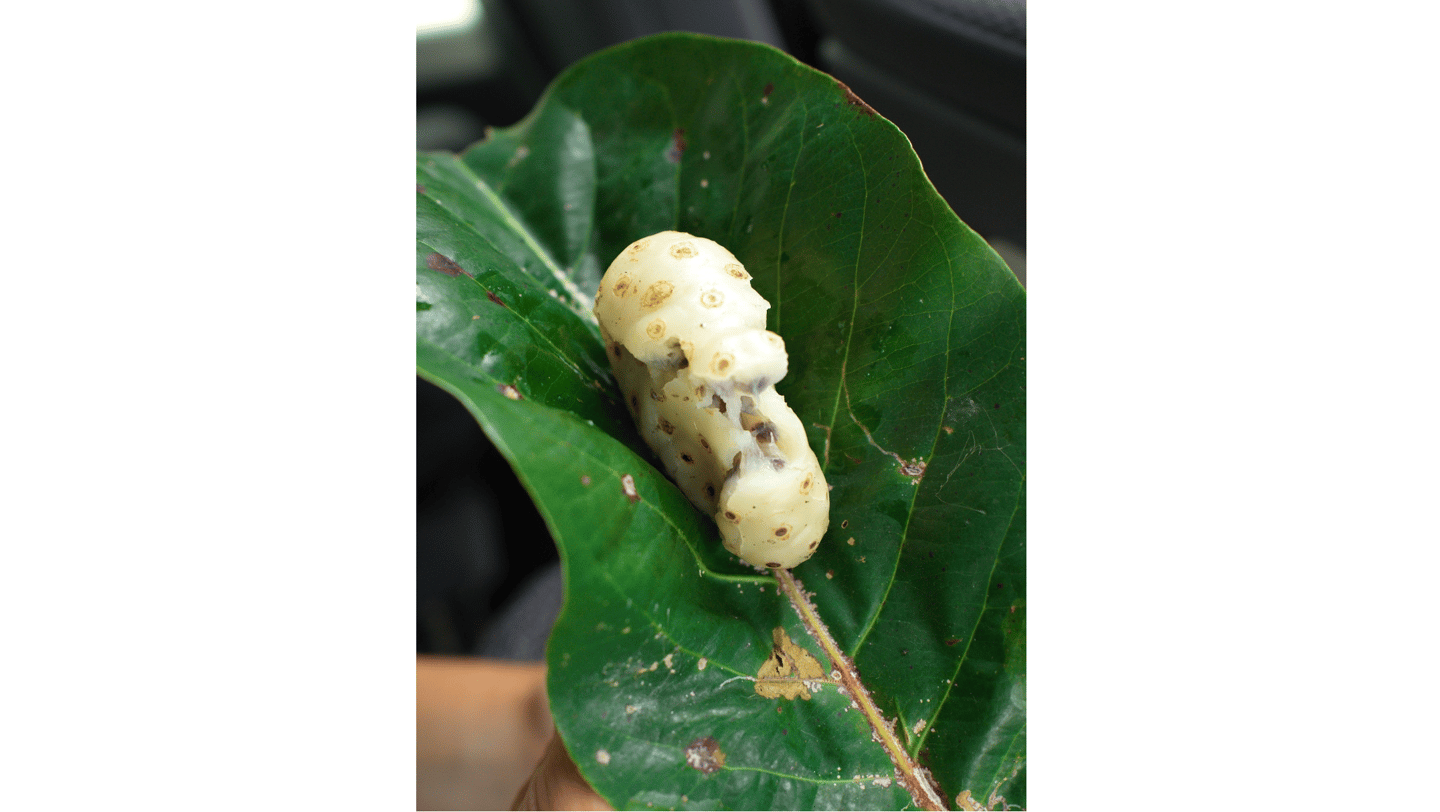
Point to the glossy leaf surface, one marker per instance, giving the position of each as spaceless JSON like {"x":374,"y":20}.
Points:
{"x":906,"y":341}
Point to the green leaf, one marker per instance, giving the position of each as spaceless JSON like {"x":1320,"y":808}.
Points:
{"x":906,"y":341}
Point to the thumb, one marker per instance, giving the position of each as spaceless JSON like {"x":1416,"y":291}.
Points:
{"x":556,"y":783}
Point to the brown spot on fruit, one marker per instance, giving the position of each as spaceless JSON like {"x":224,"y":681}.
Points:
{"x":710,"y":490}
{"x":655,"y":329}
{"x":705,"y":755}
{"x":635,"y":403}
{"x":704,"y":443}
{"x":445,"y":265}
{"x":721,"y":362}
{"x":814,"y":544}
{"x":623,"y":286}
{"x":689,"y":460}
{"x":730,"y":515}
{"x":806,"y":483}
{"x":736,"y":271}
{"x":684,"y":250}
{"x":638,"y":246}
{"x":715,"y":402}
{"x":657,"y":396}
{"x":782,"y":531}
{"x":773,"y":566}
{"x":656,"y":294}
{"x":712,"y":298}
{"x":666,"y":426}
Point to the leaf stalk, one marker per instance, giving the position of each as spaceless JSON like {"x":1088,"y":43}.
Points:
{"x":915,"y":778}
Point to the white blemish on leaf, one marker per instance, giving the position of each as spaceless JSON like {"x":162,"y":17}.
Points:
{"x":918,"y":728}
{"x":602,"y":756}
{"x":629,"y":709}
{"x":703,"y":662}
{"x":670,"y":660}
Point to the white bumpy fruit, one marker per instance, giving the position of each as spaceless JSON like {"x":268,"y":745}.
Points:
{"x":686,"y":337}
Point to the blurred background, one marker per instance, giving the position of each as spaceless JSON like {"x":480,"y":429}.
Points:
{"x":949,"y":73}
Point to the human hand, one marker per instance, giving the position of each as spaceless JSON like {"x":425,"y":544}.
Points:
{"x":556,"y":783}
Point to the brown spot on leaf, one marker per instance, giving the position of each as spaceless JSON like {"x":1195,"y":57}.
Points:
{"x":420,"y":188}
{"x":677,"y":146}
{"x":785,"y":671}
{"x":509,"y":391}
{"x":769,"y":88}
{"x":705,"y":755}
{"x":496,"y":299}
{"x":443,"y":264}
{"x":855,"y":101}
